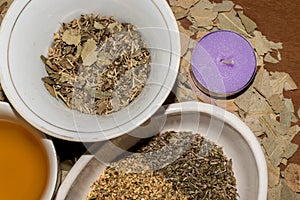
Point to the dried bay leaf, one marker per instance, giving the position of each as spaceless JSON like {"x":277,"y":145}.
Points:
{"x":185,"y":37}
{"x":89,"y":54}
{"x":282,"y":81}
{"x":270,"y":59}
{"x":259,"y":60}
{"x":249,"y":24}
{"x":184,"y":65}
{"x":274,"y":150}
{"x":288,"y":103}
{"x":273,"y":174}
{"x":286,"y":192}
{"x":186,"y":4}
{"x":229,"y":21}
{"x":272,"y":127}
{"x":252,"y":102}
{"x":274,"y":193}
{"x":262,"y":83}
{"x":292,"y":132}
{"x":245,"y":100}
{"x":203,"y":17}
{"x":284,"y":161}
{"x":204,"y":4}
{"x":290,"y":150}
{"x":179,"y":12}
{"x":227,"y":105}
{"x":225,"y":6}
{"x":292,"y":177}
{"x":71,"y":37}
{"x":173,"y":2}
{"x":201,"y":34}
{"x":253,"y":123}
{"x":285,"y":118}
{"x":184,"y":94}
{"x":262,"y":45}
{"x":290,"y":84}
{"x":238,"y":7}
{"x":276,"y":103}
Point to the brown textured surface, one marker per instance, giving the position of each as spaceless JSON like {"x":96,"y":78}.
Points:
{"x":279,"y":21}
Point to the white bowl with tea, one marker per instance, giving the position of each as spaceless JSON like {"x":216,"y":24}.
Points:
{"x":29,"y":166}
{"x":90,"y":50}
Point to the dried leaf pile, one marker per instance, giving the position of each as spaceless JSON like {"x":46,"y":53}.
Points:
{"x":96,"y":65}
{"x":262,"y":107}
{"x":172,"y":165}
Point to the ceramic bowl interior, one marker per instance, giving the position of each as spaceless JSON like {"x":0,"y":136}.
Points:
{"x":27,"y":32}
{"x":215,"y":124}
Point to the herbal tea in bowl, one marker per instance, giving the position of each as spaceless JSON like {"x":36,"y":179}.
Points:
{"x":189,"y":150}
{"x":88,"y":71}
{"x":29,"y":166}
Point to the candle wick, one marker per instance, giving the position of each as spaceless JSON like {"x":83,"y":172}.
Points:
{"x":227,"y":62}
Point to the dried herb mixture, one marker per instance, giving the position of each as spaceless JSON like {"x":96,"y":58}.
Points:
{"x":172,"y":165}
{"x":96,"y":65}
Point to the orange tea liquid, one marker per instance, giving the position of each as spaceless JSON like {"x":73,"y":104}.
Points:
{"x":23,"y":163}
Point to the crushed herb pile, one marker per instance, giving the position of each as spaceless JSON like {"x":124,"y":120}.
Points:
{"x":263,"y":106}
{"x":172,"y":165}
{"x":96,"y":65}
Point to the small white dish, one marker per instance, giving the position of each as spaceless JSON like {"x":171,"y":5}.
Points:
{"x":7,"y":113}
{"x":27,"y":32}
{"x":216,"y":124}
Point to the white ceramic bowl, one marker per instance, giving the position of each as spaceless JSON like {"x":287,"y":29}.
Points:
{"x":216,"y":124}
{"x":6,"y":112}
{"x":27,"y":32}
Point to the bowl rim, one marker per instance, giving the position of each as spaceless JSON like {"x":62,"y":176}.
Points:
{"x":189,"y":107}
{"x":50,"y":129}
{"x":54,"y":178}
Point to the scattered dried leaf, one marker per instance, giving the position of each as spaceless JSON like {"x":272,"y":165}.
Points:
{"x":270,"y":59}
{"x":203,"y":17}
{"x":262,"y":45}
{"x":252,"y":102}
{"x":179,"y":12}
{"x":204,"y":4}
{"x":262,"y":83}
{"x":72,"y":37}
{"x":274,"y":193}
{"x":201,"y":34}
{"x":282,"y":81}
{"x":271,"y":127}
{"x":185,"y":38}
{"x":292,"y":177}
{"x":276,"y":103}
{"x":89,"y":54}
{"x":186,"y":4}
{"x":248,"y":23}
{"x":229,"y":21}
{"x":273,"y":174}
{"x":254,"y":124}
{"x":225,"y":6}
{"x":286,"y":192}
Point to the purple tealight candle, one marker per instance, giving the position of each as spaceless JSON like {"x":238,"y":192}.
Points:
{"x":223,"y":63}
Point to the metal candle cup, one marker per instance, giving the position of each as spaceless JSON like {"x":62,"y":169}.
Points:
{"x":223,"y":63}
